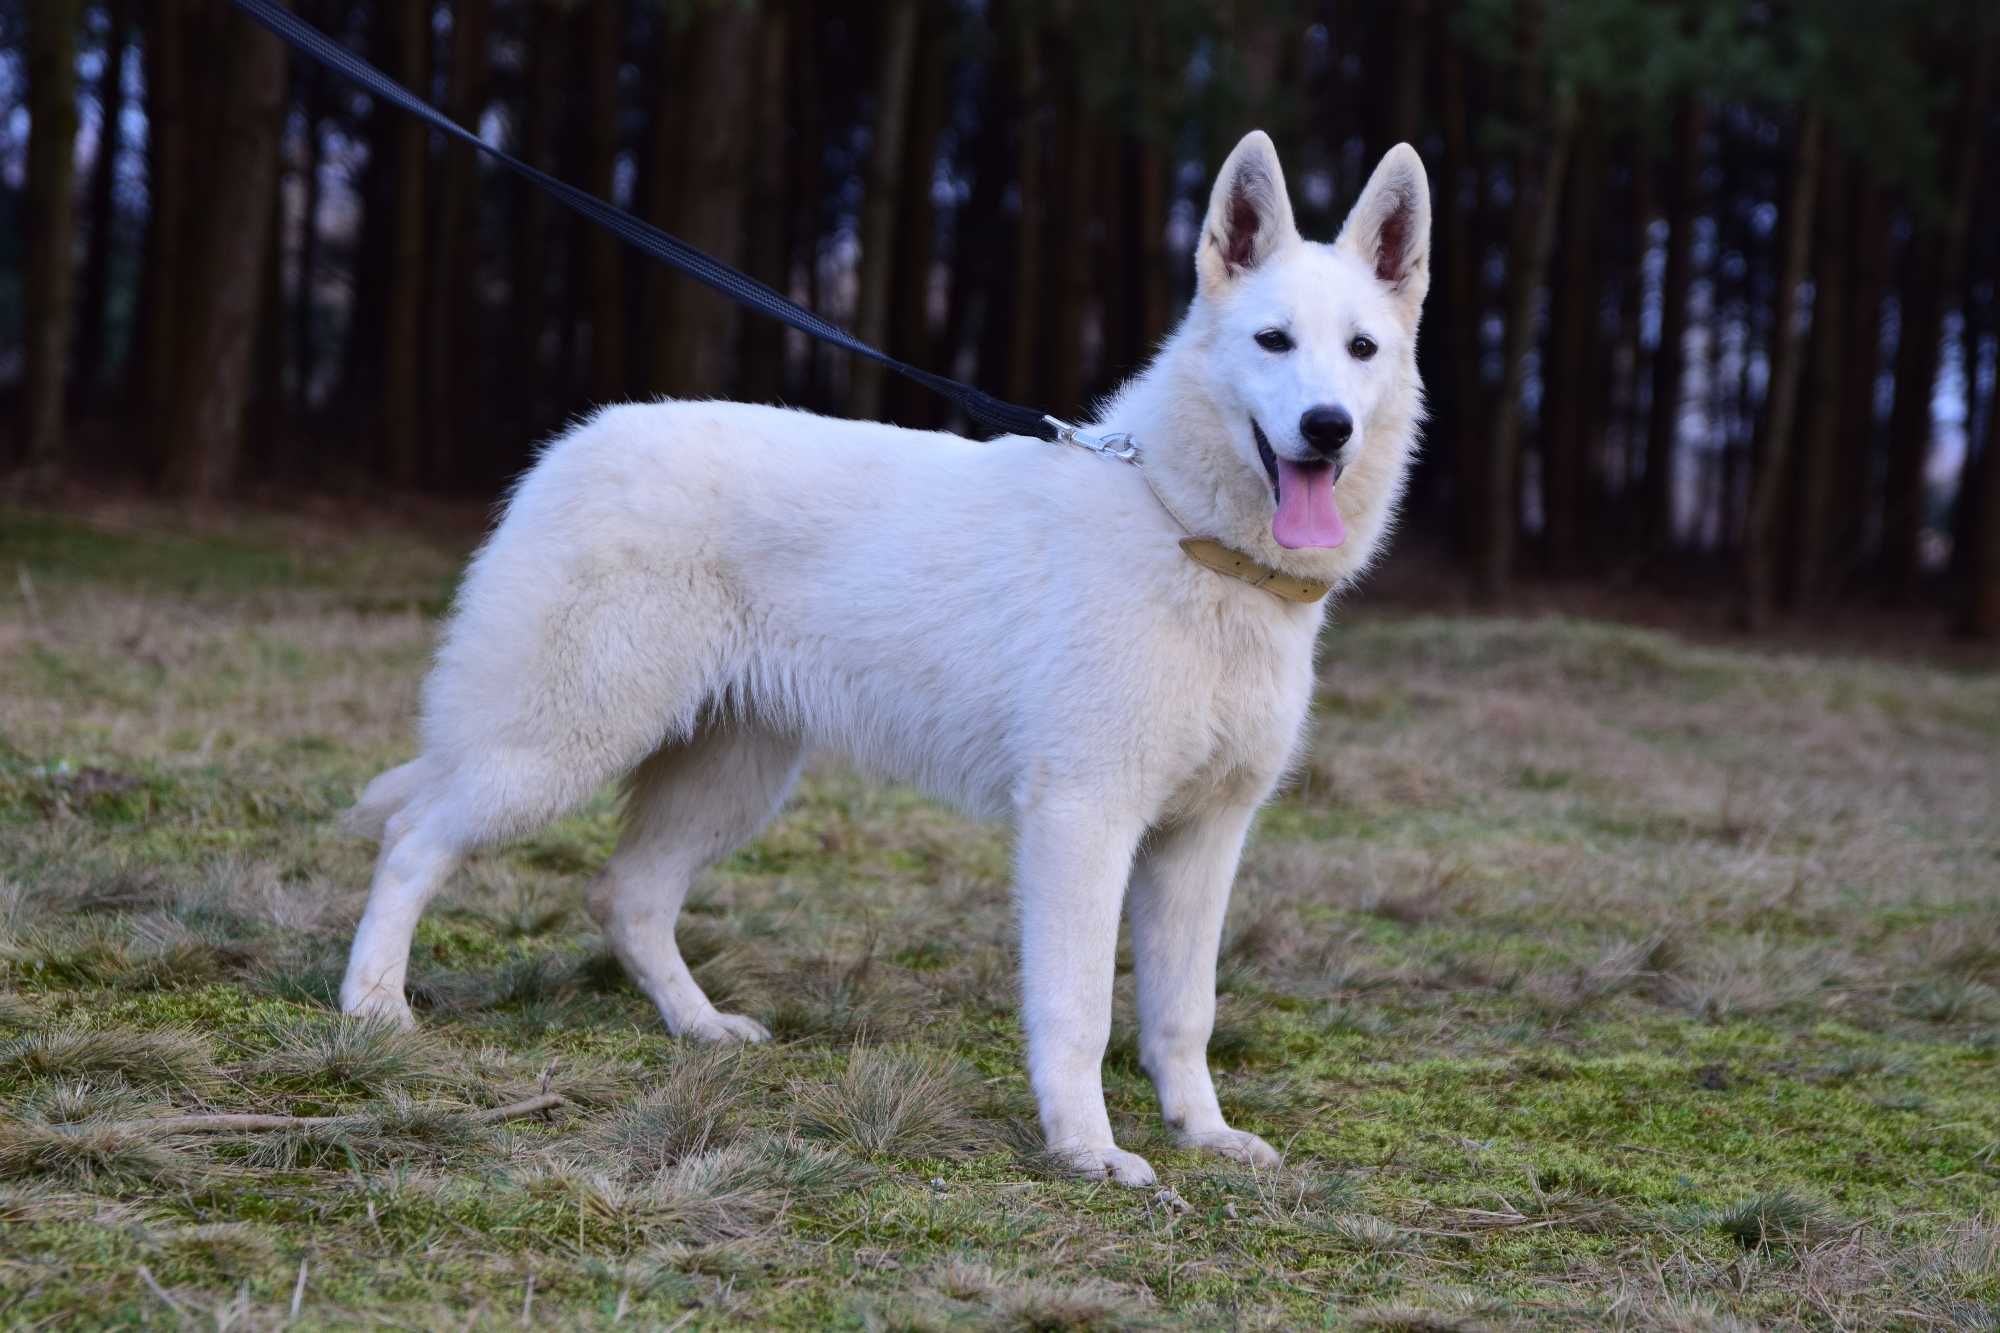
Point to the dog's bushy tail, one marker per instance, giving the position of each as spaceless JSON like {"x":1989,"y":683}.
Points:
{"x":382,"y":798}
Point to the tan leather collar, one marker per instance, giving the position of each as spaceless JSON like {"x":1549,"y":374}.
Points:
{"x":1204,"y":551}
{"x":1228,"y":560}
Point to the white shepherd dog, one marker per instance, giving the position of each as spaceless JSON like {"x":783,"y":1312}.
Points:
{"x":694,"y":595}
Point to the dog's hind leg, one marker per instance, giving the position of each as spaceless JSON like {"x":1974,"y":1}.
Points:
{"x":691,"y":804}
{"x":420,"y":849}
{"x":437,"y":821}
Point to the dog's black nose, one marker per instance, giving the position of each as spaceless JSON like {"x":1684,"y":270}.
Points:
{"x":1325,"y":429}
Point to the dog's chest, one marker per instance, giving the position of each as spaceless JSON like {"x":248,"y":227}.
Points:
{"x":1239,"y":721}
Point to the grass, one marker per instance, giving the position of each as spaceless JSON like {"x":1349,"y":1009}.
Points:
{"x":1587,"y":977}
{"x":891,"y":1103}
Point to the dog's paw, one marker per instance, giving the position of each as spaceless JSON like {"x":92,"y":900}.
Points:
{"x":1113,"y":1164}
{"x":380,"y":1006}
{"x":722,"y":1029}
{"x":1237,"y":1145}
{"x":391,"y":1011}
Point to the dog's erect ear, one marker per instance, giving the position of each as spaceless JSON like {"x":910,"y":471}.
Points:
{"x":1249,"y":215}
{"x":1390,"y":228}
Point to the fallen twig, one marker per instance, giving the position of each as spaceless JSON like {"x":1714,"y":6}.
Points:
{"x":251,"y":1123}
{"x":153,"y":1285}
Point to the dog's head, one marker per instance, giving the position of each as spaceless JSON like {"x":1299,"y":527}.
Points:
{"x":1312,"y":347}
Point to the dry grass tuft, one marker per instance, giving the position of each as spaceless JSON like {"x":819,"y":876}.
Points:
{"x":811,"y":1171}
{"x":1620,"y":968}
{"x":1950,"y":999}
{"x":1292,"y":1194}
{"x":1779,"y":1217}
{"x":308,"y":976}
{"x":1370,"y":1235}
{"x":1030,"y":1151}
{"x":168,"y":951}
{"x":1669,"y":1312}
{"x":897,"y":1103}
{"x":1748,"y":978}
{"x":546,"y":979}
{"x":835,"y":998}
{"x":67,"y":1101}
{"x":167,"y":1058}
{"x":1016,"y":1303}
{"x":93,"y":1153}
{"x":15,"y":1011}
{"x":1268,"y":940}
{"x":1967,"y":1254}
{"x":495,"y":1076}
{"x":235,"y":1249}
{"x":695,"y":1108}
{"x":350,"y":1055}
{"x":708,"y":1195}
{"x":1453,"y":1313}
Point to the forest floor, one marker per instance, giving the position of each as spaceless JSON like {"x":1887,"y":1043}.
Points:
{"x":1588,"y":976}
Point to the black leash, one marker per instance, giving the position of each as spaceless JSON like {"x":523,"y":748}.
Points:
{"x":984,"y":408}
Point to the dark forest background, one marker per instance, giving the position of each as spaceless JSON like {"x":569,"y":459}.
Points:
{"x":1715,"y":283}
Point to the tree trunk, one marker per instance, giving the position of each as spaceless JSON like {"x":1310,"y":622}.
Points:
{"x":771,"y":204}
{"x":1575,"y":344}
{"x":1532,"y":241}
{"x":1938,"y":269}
{"x":1463,"y":304}
{"x":1135,"y":305}
{"x":910,"y":334}
{"x":453,"y":400}
{"x":261,"y":457}
{"x":363,"y":355}
{"x":528,"y":288}
{"x":1774,"y":470}
{"x":1976,"y":534}
{"x":305,"y":289}
{"x":1624,"y":462}
{"x":1980,"y":618}
{"x":1410,"y":27}
{"x":1067,"y":268}
{"x":93,"y":355}
{"x":1670,"y":358}
{"x":1027,"y":336}
{"x":402,"y":337}
{"x":51,"y":217}
{"x":807,"y":169}
{"x":695,"y":330}
{"x":982,"y":288}
{"x":1819,"y":462}
{"x":226,"y":276}
{"x":893,"y":83}
{"x":1922,"y":313}
{"x":1857,"y":486}
{"x":607,"y":253}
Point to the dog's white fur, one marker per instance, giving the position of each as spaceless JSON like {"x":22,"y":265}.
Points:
{"x":692,"y":595}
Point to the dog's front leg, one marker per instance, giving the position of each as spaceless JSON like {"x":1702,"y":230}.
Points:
{"x":1179,"y":896}
{"x":1074,"y":860}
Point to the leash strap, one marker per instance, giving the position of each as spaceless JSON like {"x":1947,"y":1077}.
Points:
{"x":995,"y":413}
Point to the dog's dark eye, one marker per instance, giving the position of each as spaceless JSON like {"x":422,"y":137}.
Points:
{"x":1275,"y":340}
{"x":1361,"y":347}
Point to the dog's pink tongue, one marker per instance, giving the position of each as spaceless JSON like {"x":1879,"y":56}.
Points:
{"x":1306,"y":515}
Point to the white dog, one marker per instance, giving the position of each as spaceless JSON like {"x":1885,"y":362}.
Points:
{"x":693,"y":595}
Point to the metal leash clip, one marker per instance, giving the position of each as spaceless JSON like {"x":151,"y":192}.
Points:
{"x":1114,"y":444}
